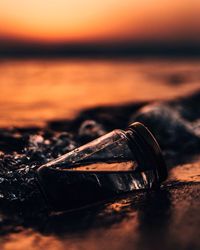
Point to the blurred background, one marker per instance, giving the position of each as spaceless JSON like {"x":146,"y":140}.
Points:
{"x":58,"y":57}
{"x":88,"y":27}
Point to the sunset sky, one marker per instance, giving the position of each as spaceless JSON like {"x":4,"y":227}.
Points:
{"x":85,"y":21}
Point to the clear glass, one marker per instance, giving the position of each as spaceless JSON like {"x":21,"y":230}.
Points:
{"x":96,"y":171}
{"x":107,"y":153}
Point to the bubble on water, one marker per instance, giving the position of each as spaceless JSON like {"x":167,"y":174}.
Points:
{"x":90,"y":129}
{"x":1,"y":180}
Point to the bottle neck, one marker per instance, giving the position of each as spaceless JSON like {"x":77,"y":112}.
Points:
{"x":146,"y":150}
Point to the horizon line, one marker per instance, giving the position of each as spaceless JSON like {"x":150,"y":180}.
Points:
{"x":99,"y":50}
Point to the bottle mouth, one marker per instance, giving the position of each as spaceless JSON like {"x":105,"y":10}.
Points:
{"x":148,"y":150}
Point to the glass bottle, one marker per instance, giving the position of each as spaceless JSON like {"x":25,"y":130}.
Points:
{"x":118,"y":162}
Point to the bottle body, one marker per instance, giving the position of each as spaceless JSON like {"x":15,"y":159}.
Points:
{"x":103,"y":168}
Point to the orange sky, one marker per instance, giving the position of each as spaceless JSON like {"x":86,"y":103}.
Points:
{"x":97,"y":20}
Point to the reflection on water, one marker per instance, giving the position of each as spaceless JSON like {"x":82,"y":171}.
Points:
{"x":32,"y":92}
{"x":31,"y":240}
{"x":186,"y":173}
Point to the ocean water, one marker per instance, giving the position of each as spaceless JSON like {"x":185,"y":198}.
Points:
{"x":35,"y":91}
